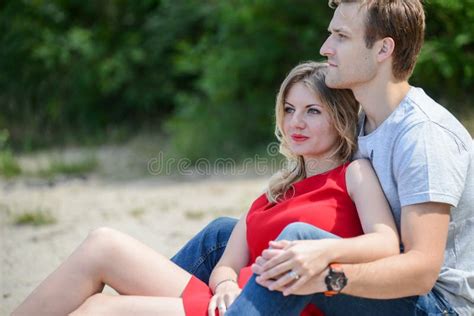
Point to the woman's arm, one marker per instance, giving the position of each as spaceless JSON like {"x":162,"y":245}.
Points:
{"x":235,"y":256}
{"x":223,"y":280}
{"x":380,"y":237}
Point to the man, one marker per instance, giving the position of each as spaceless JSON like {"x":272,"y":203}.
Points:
{"x":424,"y":160}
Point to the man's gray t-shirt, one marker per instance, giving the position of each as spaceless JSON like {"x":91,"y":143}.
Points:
{"x":421,"y":153}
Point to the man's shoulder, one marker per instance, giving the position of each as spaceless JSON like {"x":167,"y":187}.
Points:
{"x":420,"y":114}
{"x":418,"y":121}
{"x":418,"y":107}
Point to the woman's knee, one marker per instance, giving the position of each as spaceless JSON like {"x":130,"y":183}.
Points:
{"x":301,"y":231}
{"x":102,"y":238}
{"x":101,"y":244}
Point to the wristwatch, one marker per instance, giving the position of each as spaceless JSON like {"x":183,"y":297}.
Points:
{"x":336,"y":280}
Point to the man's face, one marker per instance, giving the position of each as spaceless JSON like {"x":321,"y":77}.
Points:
{"x":351,"y":63}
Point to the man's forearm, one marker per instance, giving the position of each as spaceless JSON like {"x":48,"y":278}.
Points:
{"x":364,"y":248}
{"x":393,"y":277}
{"x":413,"y":272}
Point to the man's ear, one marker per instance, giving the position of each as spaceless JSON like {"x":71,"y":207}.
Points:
{"x":386,"y":47}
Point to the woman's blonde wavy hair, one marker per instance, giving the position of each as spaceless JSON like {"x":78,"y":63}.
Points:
{"x":343,"y":110}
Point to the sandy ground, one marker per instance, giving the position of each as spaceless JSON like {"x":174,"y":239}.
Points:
{"x":161,"y":212}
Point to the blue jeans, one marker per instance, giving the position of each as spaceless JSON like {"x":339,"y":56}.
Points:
{"x":202,"y":253}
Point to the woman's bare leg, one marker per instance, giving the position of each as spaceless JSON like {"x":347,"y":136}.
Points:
{"x":105,"y":257}
{"x":103,"y":304}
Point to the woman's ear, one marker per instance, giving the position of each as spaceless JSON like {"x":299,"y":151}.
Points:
{"x":386,"y":47}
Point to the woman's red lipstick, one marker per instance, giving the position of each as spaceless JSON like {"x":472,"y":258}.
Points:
{"x":299,"y":137}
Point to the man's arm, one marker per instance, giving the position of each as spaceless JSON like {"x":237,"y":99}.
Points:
{"x":424,"y":229}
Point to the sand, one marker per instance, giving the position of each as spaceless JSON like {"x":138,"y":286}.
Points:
{"x":161,"y":212}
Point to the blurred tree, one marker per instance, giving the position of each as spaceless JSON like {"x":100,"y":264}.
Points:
{"x":446,"y":64}
{"x":69,"y":65}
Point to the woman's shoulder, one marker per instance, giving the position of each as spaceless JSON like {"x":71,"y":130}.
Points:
{"x":358,"y":172}
{"x":358,"y":166}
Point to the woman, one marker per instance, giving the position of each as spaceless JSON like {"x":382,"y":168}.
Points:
{"x":316,"y":127}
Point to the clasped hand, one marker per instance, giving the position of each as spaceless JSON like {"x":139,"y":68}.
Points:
{"x":308,"y":259}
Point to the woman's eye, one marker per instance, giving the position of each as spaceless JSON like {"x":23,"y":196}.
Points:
{"x":289,"y":110}
{"x":314,"y":111}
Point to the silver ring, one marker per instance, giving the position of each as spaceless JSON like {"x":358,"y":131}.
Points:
{"x":221,"y":306}
{"x":294,"y":275}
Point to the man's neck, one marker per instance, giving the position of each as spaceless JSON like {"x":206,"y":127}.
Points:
{"x":379,"y":101}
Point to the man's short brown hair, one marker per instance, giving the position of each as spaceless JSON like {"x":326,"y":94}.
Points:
{"x":403,"y":21}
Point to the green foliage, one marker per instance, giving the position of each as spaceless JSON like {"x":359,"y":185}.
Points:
{"x":8,"y":165}
{"x":194,"y":215}
{"x":137,"y":212}
{"x":446,"y":64}
{"x":39,"y":217}
{"x":85,"y":67}
{"x":69,"y":168}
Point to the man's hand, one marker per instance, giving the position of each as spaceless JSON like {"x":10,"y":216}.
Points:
{"x":314,"y":285}
{"x":307,"y":260}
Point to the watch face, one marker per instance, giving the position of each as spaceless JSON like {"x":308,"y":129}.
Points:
{"x":335,"y":280}
{"x":338,"y":281}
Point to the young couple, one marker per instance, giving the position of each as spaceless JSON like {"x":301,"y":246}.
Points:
{"x":322,"y":239}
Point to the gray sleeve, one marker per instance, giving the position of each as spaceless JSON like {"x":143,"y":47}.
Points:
{"x":430,"y":164}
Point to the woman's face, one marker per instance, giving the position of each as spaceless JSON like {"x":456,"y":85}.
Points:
{"x":307,"y":127}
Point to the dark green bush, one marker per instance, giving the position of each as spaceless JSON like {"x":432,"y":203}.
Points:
{"x":70,"y":67}
{"x":446,"y":65}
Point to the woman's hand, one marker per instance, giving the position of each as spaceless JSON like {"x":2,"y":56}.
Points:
{"x":287,"y":266}
{"x":224,"y":296}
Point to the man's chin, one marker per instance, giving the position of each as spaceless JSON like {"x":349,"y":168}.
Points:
{"x":334,"y":84}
